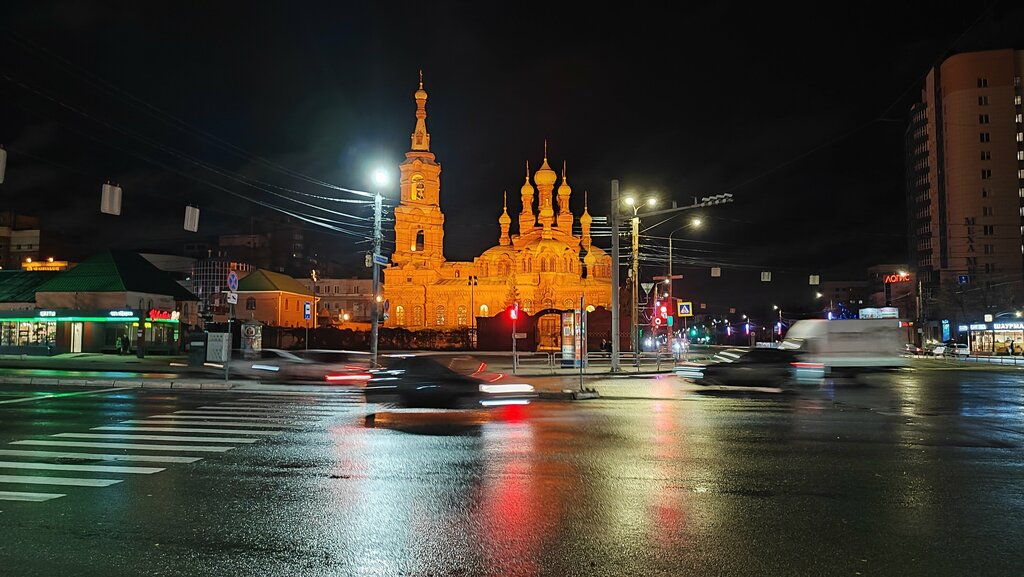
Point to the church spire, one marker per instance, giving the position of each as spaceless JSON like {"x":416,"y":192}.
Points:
{"x":504,"y":221}
{"x":420,"y":137}
{"x":564,"y":214}
{"x":585,"y":220}
{"x":526,"y":218}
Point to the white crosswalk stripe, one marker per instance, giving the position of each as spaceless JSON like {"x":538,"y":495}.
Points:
{"x":31,"y":497}
{"x":206,"y":416}
{"x":271,"y":410}
{"x":154,"y":438}
{"x":99,"y":456}
{"x":236,"y":414}
{"x":136,"y":446}
{"x":129,"y":429}
{"x":79,"y":468}
{"x":67,"y":481}
{"x":213,"y":424}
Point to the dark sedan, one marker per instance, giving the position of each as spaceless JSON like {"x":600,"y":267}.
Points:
{"x":747,"y":367}
{"x":437,"y":381}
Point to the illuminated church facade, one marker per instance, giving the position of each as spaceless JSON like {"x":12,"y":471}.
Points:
{"x":539,"y":266}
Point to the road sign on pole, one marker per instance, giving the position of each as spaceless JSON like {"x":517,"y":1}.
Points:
{"x":685,"y":309}
{"x":233,"y":281}
{"x":305,"y":311}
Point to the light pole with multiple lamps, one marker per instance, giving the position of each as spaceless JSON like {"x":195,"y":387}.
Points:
{"x":634,"y":321}
{"x":614,"y":218}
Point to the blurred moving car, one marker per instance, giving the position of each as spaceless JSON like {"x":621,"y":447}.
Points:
{"x":442,"y":382}
{"x":956,"y":350}
{"x":912,"y":349}
{"x":282,"y":365}
{"x":750,"y":367}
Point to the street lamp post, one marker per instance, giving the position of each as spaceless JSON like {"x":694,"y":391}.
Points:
{"x":380,"y":179}
{"x":614,"y":217}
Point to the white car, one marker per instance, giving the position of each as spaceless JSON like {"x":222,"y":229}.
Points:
{"x":957,"y":350}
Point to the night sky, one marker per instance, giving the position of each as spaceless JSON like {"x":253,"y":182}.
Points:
{"x":798,"y":112}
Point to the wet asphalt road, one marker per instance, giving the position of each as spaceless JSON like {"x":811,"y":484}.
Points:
{"x":920,"y":474}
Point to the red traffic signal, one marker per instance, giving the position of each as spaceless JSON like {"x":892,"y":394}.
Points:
{"x":513,"y":311}
{"x":663,"y":312}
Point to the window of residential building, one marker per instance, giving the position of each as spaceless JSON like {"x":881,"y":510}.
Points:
{"x":1020,"y":155}
{"x":250,"y":304}
{"x":986,"y":173}
{"x":983,"y":83}
{"x":982,"y":100}
{"x":1016,"y":100}
{"x":989,"y":249}
{"x":984,"y":193}
{"x":988,"y":230}
{"x":983,"y":119}
{"x":286,"y":304}
{"x":986,"y":155}
{"x":986,"y":211}
{"x":990,"y":268}
{"x":986,"y":137}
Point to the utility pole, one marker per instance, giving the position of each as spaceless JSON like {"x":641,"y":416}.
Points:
{"x":375,"y":304}
{"x":614,"y":217}
{"x":635,"y":270}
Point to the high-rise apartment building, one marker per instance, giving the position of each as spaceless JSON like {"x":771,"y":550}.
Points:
{"x":965,"y":187}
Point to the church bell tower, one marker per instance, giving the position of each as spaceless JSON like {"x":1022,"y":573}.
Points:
{"x":419,"y":222}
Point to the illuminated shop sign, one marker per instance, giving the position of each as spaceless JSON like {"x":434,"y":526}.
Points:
{"x":47,"y":313}
{"x":1008,"y":326}
{"x":122,"y":314}
{"x":894,"y":278}
{"x":979,"y":327}
{"x":962,"y":328}
{"x":159,"y":315}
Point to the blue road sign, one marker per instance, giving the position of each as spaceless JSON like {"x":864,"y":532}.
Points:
{"x":380,"y":259}
{"x":963,"y":279}
{"x":685,"y":309}
{"x":306,"y":311}
{"x":232,"y":281}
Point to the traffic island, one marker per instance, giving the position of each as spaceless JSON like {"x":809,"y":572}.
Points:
{"x":569,"y":394}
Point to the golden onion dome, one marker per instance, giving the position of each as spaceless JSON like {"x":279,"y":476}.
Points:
{"x":527,"y":188}
{"x":545,"y":176}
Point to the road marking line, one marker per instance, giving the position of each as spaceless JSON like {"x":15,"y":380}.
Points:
{"x":82,"y":468}
{"x":154,"y":438}
{"x":32,"y":497}
{"x":62,"y":395}
{"x":257,"y":411}
{"x":249,"y":415}
{"x":217,"y":424}
{"x":282,"y":403}
{"x":208,"y":417}
{"x":140,"y":446}
{"x":68,"y":481}
{"x":130,"y":428}
{"x":99,"y":456}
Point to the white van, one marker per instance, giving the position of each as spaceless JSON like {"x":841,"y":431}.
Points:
{"x":849,"y":345}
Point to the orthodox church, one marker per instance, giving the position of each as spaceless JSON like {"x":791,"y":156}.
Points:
{"x":543,"y":266}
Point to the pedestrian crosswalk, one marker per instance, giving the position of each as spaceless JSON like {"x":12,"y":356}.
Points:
{"x":112,"y":453}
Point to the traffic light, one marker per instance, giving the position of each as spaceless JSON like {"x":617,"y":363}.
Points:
{"x":513,"y":311}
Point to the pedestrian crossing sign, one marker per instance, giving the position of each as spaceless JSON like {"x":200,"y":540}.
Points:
{"x":685,"y":309}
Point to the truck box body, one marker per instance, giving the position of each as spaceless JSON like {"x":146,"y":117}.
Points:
{"x":848,"y":345}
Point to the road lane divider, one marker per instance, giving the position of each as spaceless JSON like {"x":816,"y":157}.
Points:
{"x":113,"y":436}
{"x":98,"y":456}
{"x":79,"y":468}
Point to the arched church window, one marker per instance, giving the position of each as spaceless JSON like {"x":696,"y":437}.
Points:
{"x":504,"y":268}
{"x":463,"y":317}
{"x":417,"y":186}
{"x":400,"y":315}
{"x":527,"y":264}
{"x":484,"y":311}
{"x":549,"y":304}
{"x":528,"y":306}
{"x":417,"y":246}
{"x":417,"y":315}
{"x":440,"y":315}
{"x":568,"y":303}
{"x":568,"y":264}
{"x":458,"y":273}
{"x":544,"y":265}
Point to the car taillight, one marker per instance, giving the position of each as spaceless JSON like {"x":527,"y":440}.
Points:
{"x":348,"y":377}
{"x":808,"y":365}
